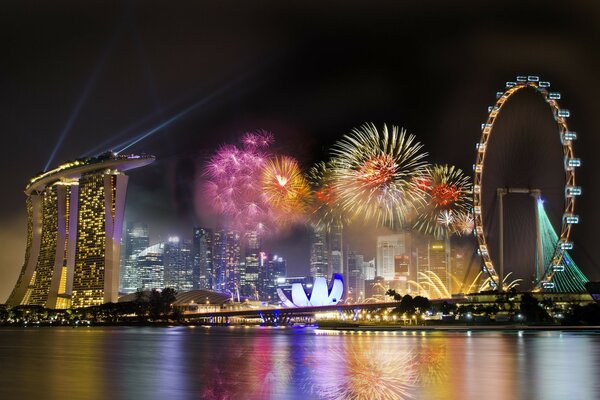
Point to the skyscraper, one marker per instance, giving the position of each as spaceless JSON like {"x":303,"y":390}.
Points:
{"x":249,"y":281}
{"x":233,"y":265}
{"x":336,"y":254}
{"x":151,"y":267}
{"x":319,"y":262}
{"x":136,"y":240}
{"x":227,"y":261}
{"x":393,"y":256}
{"x":356,"y":278}
{"x":202,"y":244}
{"x":178,"y":264}
{"x":75,"y":222}
{"x":433,"y":255}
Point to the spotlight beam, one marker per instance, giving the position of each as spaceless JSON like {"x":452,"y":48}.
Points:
{"x":86,"y":91}
{"x":133,"y":141}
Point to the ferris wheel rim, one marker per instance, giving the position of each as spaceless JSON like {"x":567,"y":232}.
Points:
{"x":570,"y":163}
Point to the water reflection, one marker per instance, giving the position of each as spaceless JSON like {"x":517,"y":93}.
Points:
{"x":268,"y":363}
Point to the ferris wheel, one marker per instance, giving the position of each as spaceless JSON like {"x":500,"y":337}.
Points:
{"x":571,"y":191}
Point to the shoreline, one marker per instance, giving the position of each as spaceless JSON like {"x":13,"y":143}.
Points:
{"x":461,"y":328}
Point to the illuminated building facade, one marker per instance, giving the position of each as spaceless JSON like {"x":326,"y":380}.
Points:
{"x":336,"y":254}
{"x":319,"y":262}
{"x":151,"y":267}
{"x":178,"y":264}
{"x":75,"y":217}
{"x":393,"y":257}
{"x":434,"y":256}
{"x":313,"y":295}
{"x":355,"y":282}
{"x":203,"y":258}
{"x":136,"y":240}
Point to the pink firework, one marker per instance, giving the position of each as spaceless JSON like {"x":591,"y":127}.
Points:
{"x":233,"y":186}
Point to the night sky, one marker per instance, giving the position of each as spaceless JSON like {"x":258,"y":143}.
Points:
{"x":101,"y":73}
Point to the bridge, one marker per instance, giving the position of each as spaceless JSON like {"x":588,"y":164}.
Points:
{"x":283,"y":316}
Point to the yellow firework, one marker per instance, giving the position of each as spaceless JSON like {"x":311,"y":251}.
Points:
{"x":284,"y":187}
{"x":374,"y":174}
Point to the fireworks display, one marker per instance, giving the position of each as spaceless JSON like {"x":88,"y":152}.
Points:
{"x":373,"y":174}
{"x":325,"y":213}
{"x":285,"y":188}
{"x":233,"y":187}
{"x":253,"y":189}
{"x":377,"y":176}
{"x":448,"y":193}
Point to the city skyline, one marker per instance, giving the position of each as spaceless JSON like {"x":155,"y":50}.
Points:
{"x":273,"y":79}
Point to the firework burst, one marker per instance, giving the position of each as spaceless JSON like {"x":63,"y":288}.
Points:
{"x":366,"y":371}
{"x":285,"y":188}
{"x":448,"y":197}
{"x":373,"y":174}
{"x":325,"y":213}
{"x":233,"y":183}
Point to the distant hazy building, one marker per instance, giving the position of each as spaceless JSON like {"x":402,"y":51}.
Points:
{"x":74,"y":227}
{"x":355,"y":282}
{"x":178,"y":264}
{"x":202,"y":248}
{"x":136,"y":240}
{"x":393,"y":256}
{"x":319,"y":249}
{"x":369,"y":270}
{"x":336,"y":254}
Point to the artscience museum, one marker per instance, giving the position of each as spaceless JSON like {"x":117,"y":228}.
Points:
{"x":321,"y":294}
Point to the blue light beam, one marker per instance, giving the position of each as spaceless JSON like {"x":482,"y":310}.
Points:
{"x":86,"y":91}
{"x":127,"y":144}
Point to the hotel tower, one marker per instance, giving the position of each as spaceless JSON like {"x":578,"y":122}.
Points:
{"x":74,"y":227}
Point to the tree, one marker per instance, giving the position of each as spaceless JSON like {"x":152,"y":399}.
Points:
{"x":168,"y":297}
{"x":532,"y":310}
{"x":394,"y":294}
{"x":156,"y":305}
{"x":407,"y":305}
{"x":421,"y":303}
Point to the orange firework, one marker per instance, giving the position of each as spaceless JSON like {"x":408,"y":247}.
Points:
{"x":284,"y":187}
{"x":448,"y":192}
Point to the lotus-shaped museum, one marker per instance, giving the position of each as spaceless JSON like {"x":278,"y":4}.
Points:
{"x":321,"y":295}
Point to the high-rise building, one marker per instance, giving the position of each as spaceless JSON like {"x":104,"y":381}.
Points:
{"x":178,"y":264}
{"x":336,"y":254}
{"x":275,"y":270}
{"x":459,"y":267}
{"x":136,"y":240}
{"x":75,"y":222}
{"x":219,"y":253}
{"x":369,"y":270}
{"x":356,"y":279}
{"x":319,"y":261}
{"x":393,"y":257}
{"x":433,"y":256}
{"x":227,"y":261}
{"x":233,"y":265}
{"x":249,"y":281}
{"x":151,"y":267}
{"x":202,"y":247}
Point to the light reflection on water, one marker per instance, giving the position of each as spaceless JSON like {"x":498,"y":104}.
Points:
{"x":270,"y":363}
